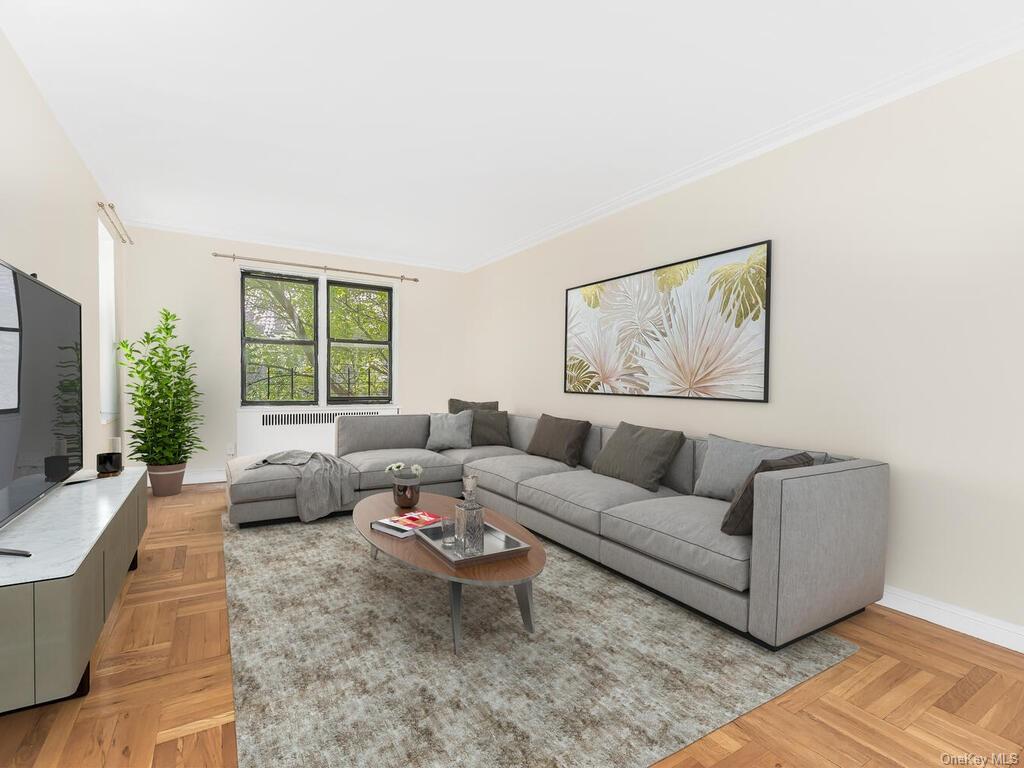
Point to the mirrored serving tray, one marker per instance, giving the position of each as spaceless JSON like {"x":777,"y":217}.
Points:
{"x":497,"y":546}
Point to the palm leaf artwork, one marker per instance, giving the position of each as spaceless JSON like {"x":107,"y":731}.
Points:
{"x":694,"y":329}
{"x":743,"y":286}
{"x":671,"y":277}
{"x":592,"y":294}
{"x":633,"y":306}
{"x":579,"y":376}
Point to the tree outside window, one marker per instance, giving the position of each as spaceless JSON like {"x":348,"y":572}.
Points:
{"x":359,"y":343}
{"x":279,"y":339}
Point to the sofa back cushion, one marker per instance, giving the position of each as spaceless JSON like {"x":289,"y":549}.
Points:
{"x":520,"y":430}
{"x":372,"y":433}
{"x":726,"y":465}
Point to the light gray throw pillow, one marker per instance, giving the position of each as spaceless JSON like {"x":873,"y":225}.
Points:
{"x":450,"y":430}
{"x":728,"y":464}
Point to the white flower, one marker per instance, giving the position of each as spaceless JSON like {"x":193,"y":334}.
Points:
{"x":416,"y":469}
{"x":396,"y":467}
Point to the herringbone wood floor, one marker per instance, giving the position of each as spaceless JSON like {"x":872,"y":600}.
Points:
{"x":161,"y":691}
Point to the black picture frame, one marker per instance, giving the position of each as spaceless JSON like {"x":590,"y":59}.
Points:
{"x":767,"y":328}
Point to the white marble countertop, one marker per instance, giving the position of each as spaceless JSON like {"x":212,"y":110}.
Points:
{"x":62,"y":528}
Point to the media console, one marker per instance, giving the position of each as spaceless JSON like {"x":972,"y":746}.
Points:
{"x":84,"y":539}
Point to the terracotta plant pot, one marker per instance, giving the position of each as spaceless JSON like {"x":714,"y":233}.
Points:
{"x":166,"y":478}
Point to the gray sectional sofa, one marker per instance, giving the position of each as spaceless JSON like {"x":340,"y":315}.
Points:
{"x":817,"y":553}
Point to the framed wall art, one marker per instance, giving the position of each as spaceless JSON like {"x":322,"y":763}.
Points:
{"x":693,"y":329}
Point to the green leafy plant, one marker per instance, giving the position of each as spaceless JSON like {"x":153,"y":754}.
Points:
{"x":163,"y":394}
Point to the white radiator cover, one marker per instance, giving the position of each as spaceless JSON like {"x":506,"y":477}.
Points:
{"x":263,"y":430}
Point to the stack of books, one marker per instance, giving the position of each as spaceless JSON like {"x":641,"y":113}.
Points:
{"x":404,"y":526}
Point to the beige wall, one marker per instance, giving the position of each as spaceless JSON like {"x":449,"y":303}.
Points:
{"x":898,"y":261}
{"x":48,"y":219}
{"x":176,"y":271}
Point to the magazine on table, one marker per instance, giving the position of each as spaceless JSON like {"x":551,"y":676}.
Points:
{"x":404,"y":526}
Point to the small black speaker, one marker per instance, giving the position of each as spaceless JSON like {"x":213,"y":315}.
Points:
{"x":56,"y":468}
{"x":108,"y":464}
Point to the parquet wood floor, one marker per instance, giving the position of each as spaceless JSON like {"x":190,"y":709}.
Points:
{"x":161,"y":690}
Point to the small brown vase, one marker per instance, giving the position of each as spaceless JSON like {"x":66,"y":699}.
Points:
{"x":166,"y":479}
{"x":407,"y":495}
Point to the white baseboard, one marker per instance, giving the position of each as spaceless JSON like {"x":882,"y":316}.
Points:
{"x":954,"y":617}
{"x":197,"y":476}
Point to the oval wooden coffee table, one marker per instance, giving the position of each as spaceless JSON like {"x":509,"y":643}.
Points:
{"x":516,"y":572}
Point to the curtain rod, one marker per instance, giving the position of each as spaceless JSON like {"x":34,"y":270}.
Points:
{"x":118,"y":225}
{"x":324,"y":267}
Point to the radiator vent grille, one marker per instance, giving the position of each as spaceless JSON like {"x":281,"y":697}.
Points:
{"x":311,"y":417}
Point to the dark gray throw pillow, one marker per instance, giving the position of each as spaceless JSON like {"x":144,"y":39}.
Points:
{"x":458,"y":406}
{"x":491,"y":428}
{"x":559,"y":439}
{"x":639,"y":455}
{"x":739,"y":519}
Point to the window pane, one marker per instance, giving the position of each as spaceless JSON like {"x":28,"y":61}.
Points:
{"x":279,"y":309}
{"x":358,"y":370}
{"x":358,"y":313}
{"x":279,"y":372}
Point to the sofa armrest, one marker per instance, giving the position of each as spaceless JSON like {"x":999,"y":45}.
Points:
{"x":818,"y":551}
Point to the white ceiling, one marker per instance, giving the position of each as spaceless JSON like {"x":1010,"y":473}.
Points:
{"x":451,"y":133}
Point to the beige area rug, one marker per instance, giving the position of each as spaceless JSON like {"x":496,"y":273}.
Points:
{"x":341,"y":660}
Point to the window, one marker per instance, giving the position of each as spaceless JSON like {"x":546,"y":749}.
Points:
{"x":359,"y":343}
{"x":279,"y":339}
{"x":110,"y":399}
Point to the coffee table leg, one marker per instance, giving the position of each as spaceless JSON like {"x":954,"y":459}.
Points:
{"x":374,"y":551}
{"x":524,"y":594}
{"x":455,"y":593}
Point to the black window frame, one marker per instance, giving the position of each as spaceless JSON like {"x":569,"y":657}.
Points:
{"x":389,"y":344}
{"x":315,"y":342}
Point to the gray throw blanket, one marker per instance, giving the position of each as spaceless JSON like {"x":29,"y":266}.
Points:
{"x":325,"y":484}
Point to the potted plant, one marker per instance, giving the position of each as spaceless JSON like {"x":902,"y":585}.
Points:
{"x":407,"y":483}
{"x":163,"y":394}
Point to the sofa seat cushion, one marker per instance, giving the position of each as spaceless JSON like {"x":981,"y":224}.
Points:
{"x":579,"y":497}
{"x":477,"y":452}
{"x":437,"y":468}
{"x":502,"y":474}
{"x":266,"y":483}
{"x":684,"y":531}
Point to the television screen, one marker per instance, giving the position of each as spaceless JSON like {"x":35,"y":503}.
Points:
{"x":40,"y":390}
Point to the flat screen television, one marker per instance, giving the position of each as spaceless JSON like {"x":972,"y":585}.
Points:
{"x":40,"y":390}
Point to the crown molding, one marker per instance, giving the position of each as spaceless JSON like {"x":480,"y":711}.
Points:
{"x":957,"y":62}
